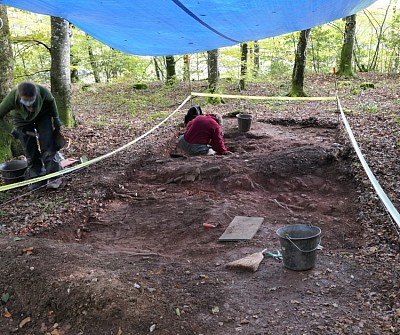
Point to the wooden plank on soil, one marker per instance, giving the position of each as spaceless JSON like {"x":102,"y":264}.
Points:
{"x":242,"y":228}
{"x":68,"y":161}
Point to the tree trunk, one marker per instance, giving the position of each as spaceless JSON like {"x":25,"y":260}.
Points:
{"x":256,"y":69}
{"x":186,"y":67}
{"x":243,"y":66}
{"x":346,"y":56}
{"x":314,"y":56}
{"x":213,"y":75}
{"x":171,"y":72}
{"x":213,"y":70}
{"x":297,"y":89}
{"x":157,"y":68}
{"x":6,"y":56}
{"x":379,"y":34}
{"x":92,"y":60}
{"x":60,"y":75}
{"x":74,"y":70}
{"x":6,"y":82}
{"x":74,"y":61}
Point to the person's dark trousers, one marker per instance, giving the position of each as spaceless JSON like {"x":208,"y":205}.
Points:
{"x":46,"y":156}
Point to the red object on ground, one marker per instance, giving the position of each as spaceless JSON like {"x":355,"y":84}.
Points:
{"x":209,"y":225}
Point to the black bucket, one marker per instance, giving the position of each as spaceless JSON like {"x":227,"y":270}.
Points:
{"x":244,"y":121}
{"x":299,"y":244}
{"x":13,"y":171}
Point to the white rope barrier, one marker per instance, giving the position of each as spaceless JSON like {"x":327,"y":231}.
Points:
{"x":95,"y":160}
{"x":382,"y":195}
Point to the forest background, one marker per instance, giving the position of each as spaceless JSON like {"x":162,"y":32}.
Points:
{"x":51,"y":51}
{"x":377,"y":48}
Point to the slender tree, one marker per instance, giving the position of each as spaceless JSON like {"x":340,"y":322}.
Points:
{"x":74,"y":69}
{"x":213,"y":70}
{"x":60,"y":74}
{"x":171,"y":71}
{"x":75,"y":59}
{"x":243,"y":65}
{"x":157,"y":68}
{"x":6,"y":81}
{"x":346,"y":56}
{"x":186,"y":67}
{"x":256,"y":69}
{"x":213,"y":74}
{"x":379,"y":31}
{"x":297,"y":88}
{"x":92,"y":60}
{"x":6,"y":55}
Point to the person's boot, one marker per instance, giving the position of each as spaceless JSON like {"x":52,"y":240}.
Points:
{"x":54,"y":183}
{"x":33,"y":171}
{"x":53,"y":165}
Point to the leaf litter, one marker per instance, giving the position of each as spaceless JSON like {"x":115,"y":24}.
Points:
{"x":158,"y":238}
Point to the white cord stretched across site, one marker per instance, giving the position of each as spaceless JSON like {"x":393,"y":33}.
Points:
{"x":381,"y":193}
{"x":95,"y":160}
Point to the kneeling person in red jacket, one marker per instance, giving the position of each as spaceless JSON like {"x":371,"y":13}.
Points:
{"x":203,"y":136}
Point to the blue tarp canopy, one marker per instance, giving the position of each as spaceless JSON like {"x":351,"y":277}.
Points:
{"x":174,"y":27}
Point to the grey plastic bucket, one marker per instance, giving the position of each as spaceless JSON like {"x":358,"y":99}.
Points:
{"x":13,"y":171}
{"x":244,"y":121}
{"x":299,"y":245}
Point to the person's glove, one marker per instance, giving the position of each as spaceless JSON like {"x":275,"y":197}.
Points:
{"x":57,"y":123}
{"x":59,"y":139}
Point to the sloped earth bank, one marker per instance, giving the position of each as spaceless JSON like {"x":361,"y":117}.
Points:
{"x":131,"y":256}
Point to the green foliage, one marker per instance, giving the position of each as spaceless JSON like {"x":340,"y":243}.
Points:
{"x":5,"y":297}
{"x":158,"y":116}
{"x":49,"y":206}
{"x":344,"y":83}
{"x":102,"y":121}
{"x":214,"y":101}
{"x":323,"y":40}
{"x":396,"y":119}
{"x":234,"y":113}
{"x":367,"y":85}
{"x":348,"y":112}
{"x":392,"y":39}
{"x":5,"y":140}
{"x":88,"y":88}
{"x":396,"y":134}
{"x":276,"y":105}
{"x":369,"y":107}
{"x":31,"y":40}
{"x":140,"y":86}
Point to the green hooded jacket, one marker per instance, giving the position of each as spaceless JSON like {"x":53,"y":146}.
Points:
{"x":44,"y":103}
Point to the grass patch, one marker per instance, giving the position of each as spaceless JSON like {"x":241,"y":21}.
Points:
{"x":370,"y":107}
{"x":158,"y":116}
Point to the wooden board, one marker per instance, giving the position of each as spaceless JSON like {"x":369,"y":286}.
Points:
{"x":242,"y":228}
{"x":68,"y":161}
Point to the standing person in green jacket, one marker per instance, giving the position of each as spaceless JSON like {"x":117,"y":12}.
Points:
{"x":34,"y":111}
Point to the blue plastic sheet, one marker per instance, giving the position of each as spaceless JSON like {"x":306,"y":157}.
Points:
{"x":173,"y":27}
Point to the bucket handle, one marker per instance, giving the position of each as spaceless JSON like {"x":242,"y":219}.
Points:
{"x":318,"y":247}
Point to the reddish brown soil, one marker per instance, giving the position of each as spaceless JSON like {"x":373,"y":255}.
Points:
{"x":134,"y":258}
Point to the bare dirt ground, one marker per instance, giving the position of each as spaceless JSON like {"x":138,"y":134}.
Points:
{"x":120,"y":248}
